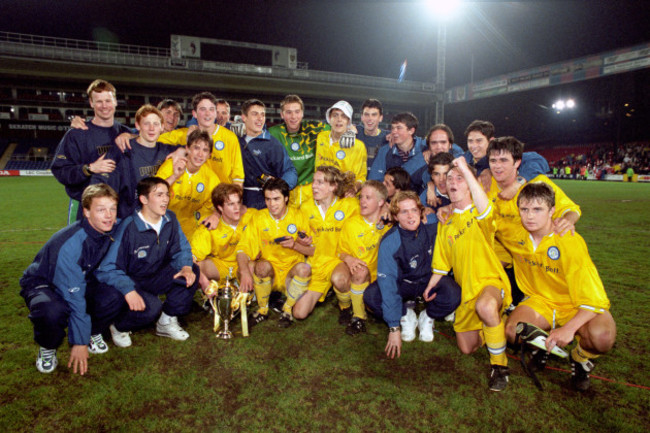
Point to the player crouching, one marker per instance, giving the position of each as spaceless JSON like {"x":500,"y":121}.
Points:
{"x":564,"y":293}
{"x":464,"y":244}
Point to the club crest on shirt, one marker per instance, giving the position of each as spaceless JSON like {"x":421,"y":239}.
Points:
{"x":413,"y":264}
{"x":291,"y":228}
{"x":219,"y":145}
{"x":142,"y":254}
{"x":295,"y":146}
{"x":340,"y":154}
{"x":200,"y":187}
{"x":339,"y":215}
{"x":553,"y":253}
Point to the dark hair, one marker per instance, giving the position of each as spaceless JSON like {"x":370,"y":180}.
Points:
{"x":372,"y":103}
{"x":276,"y":184}
{"x":407,"y":119}
{"x":198,"y":135}
{"x":166,"y":103}
{"x":442,"y":158}
{"x":483,"y":126}
{"x":537,"y":191}
{"x":146,"y":185}
{"x":196,"y":99}
{"x":401,"y":178}
{"x":249,"y":103}
{"x":441,"y":127}
{"x":506,"y":144}
{"x":222,"y":191}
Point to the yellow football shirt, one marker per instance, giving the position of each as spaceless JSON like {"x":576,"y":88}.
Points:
{"x":463,"y":244}
{"x":225,"y":159}
{"x":354,"y":159}
{"x":191,"y":195}
{"x":559,"y":270}
{"x":259,"y":237}
{"x":220,"y":243}
{"x":360,"y":238}
{"x":327,"y":227}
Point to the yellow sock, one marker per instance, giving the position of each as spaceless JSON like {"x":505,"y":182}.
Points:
{"x":263,"y":289}
{"x":356,"y":296}
{"x":495,"y":339}
{"x":297,"y":286}
{"x":581,"y":355}
{"x":344,"y":299}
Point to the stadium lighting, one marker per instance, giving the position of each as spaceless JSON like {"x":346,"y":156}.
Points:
{"x":561,"y":105}
{"x":443,"y":9}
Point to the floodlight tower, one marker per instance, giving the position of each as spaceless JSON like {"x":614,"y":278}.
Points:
{"x":443,"y":10}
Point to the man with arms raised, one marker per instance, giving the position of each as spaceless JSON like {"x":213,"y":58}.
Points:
{"x":59,"y":287}
{"x":271,"y":252}
{"x":263,"y":155}
{"x":82,"y":152}
{"x":565,"y":294}
{"x":358,"y":247}
{"x":150,"y":257}
{"x":403,"y":272}
{"x":464,"y":244}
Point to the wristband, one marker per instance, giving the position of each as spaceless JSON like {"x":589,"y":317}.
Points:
{"x":394,"y":329}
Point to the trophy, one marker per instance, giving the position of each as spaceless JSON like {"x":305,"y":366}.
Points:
{"x":227,"y":303}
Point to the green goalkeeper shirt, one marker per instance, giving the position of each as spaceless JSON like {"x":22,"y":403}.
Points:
{"x":301,"y":146}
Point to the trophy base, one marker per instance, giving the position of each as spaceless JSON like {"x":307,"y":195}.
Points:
{"x":224,"y":335}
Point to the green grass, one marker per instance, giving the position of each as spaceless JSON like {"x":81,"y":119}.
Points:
{"x":313,"y":377}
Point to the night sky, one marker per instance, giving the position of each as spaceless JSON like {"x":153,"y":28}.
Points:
{"x":360,"y":37}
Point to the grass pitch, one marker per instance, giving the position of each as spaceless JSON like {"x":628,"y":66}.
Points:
{"x":313,"y":377}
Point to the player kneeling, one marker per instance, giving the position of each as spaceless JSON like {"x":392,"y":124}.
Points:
{"x":358,"y":248}
{"x":271,"y":253}
{"x":215,"y":251}
{"x":564,"y":293}
{"x":464,"y":244}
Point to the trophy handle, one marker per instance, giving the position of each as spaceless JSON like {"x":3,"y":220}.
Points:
{"x":244,"y":315}
{"x":217,"y":318}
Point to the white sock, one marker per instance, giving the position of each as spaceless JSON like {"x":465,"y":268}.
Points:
{"x":164,"y":319}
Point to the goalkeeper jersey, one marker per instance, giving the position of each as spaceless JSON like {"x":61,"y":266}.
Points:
{"x":301,"y":146}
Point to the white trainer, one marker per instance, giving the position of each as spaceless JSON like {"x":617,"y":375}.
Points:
{"x":451,"y":317}
{"x":46,"y":361}
{"x":120,"y":339}
{"x":172,"y":330}
{"x":426,"y":324}
{"x":409,"y":323}
{"x":97,"y":344}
